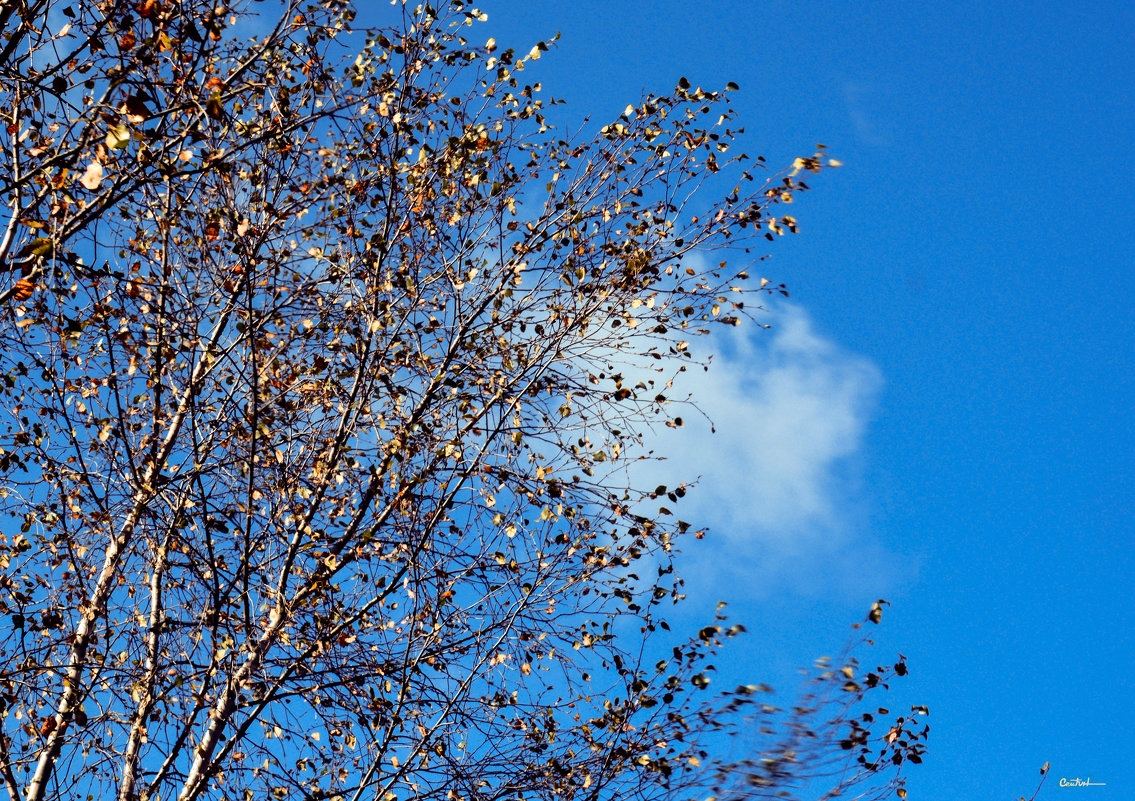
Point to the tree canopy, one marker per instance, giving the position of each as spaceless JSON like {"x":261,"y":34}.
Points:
{"x":323,"y":358}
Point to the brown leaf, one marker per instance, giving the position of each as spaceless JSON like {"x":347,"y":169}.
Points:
{"x":135,"y":109}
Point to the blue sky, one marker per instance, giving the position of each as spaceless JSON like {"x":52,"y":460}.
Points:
{"x":942,"y":416}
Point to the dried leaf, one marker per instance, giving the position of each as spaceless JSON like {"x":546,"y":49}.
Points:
{"x":92,"y":177}
{"x":23,"y":290}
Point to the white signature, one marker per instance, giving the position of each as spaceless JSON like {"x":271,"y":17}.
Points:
{"x":1078,"y":782}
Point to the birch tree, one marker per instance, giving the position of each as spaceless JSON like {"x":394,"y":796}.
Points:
{"x":323,"y":358}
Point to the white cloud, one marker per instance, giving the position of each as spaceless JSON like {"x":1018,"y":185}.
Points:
{"x":778,"y":479}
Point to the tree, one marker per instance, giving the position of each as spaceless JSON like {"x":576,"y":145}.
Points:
{"x":323,"y":358}
{"x":793,"y":754}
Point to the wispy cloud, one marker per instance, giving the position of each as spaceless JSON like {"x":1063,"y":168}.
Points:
{"x":779,"y":476}
{"x":858,"y":99}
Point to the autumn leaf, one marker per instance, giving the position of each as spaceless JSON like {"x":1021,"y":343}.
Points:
{"x":215,"y":106}
{"x":24,"y":288}
{"x":117,"y":137}
{"x":92,"y":177}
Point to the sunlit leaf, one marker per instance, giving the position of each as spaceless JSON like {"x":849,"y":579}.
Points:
{"x":117,"y":137}
{"x":92,"y":177}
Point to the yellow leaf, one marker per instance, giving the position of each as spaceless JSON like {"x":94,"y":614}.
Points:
{"x":118,"y":137}
{"x":41,"y":247}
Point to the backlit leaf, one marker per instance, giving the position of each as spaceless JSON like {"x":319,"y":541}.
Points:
{"x":92,"y":177}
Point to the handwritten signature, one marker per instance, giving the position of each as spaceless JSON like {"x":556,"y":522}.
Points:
{"x":1078,"y":782}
